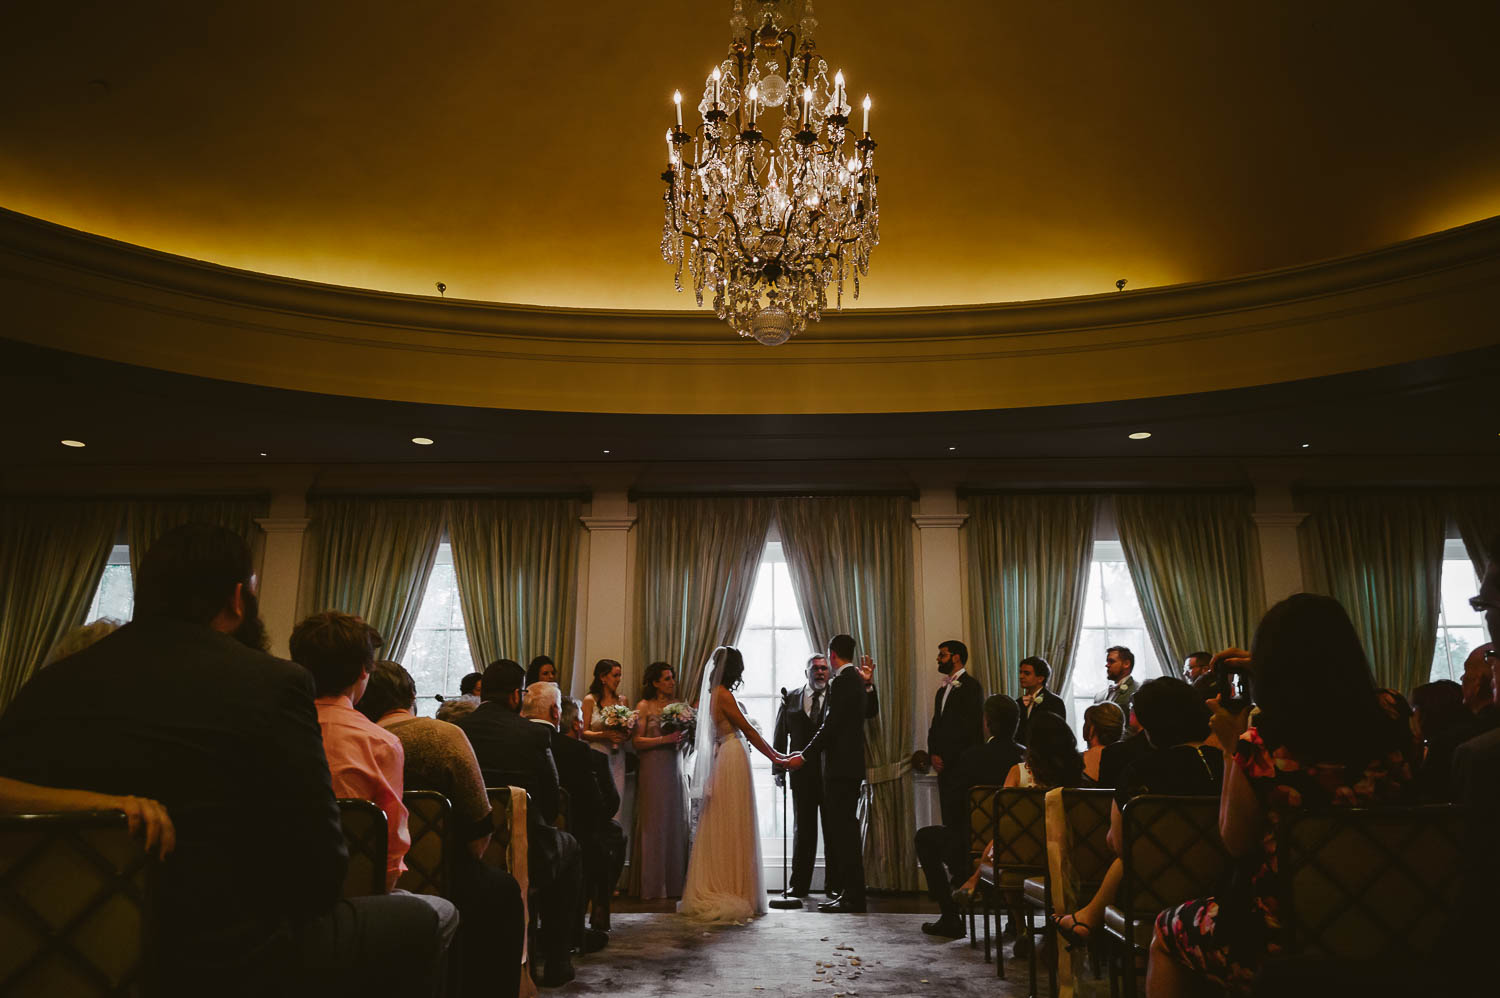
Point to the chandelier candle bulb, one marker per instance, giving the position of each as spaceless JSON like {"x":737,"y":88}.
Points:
{"x":867,"y":114}
{"x":717,"y":76}
{"x":677,"y":99}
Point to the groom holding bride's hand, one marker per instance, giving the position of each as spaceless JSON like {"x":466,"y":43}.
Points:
{"x":840,"y":743}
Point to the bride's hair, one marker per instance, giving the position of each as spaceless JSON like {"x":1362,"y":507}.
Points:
{"x":733,"y":666}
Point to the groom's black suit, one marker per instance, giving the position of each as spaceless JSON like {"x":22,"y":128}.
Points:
{"x":794,"y":729}
{"x":840,"y":743}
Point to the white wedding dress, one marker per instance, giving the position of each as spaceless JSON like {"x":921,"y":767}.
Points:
{"x":724,"y":878}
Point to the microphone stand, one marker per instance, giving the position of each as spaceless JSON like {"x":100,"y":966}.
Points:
{"x":784,"y":902}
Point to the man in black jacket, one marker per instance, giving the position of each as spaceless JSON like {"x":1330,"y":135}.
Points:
{"x":957,"y":726}
{"x":1033,"y":674}
{"x":839,"y":743}
{"x":943,"y":850}
{"x":514,"y":752}
{"x":603,"y":861}
{"x":800,"y":714}
{"x":172,"y":708}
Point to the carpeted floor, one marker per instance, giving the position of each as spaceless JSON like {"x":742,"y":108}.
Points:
{"x":788,"y":953}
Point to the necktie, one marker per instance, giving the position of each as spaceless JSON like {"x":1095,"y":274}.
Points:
{"x":817,"y":706}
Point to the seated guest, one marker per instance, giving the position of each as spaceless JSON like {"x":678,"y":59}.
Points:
{"x":1440,"y":724}
{"x":438,"y":757}
{"x":542,"y":704}
{"x":515,"y":753}
{"x":470,"y":685}
{"x":171,"y":708}
{"x":1479,"y":688}
{"x":601,"y":864}
{"x":1103,"y":724}
{"x":1300,"y":756}
{"x":1114,"y":759}
{"x":1398,"y":708}
{"x":1174,"y":718}
{"x":1035,"y":698}
{"x":452,"y":709}
{"x":541,"y":670}
{"x":943,"y":850}
{"x":364,"y":759}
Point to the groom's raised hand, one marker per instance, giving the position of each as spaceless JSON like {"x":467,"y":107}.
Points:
{"x":866,"y":669}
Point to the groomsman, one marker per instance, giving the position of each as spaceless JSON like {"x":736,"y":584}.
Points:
{"x":1033,"y":676}
{"x":800,"y":715}
{"x":957,"y":726}
{"x":839,"y":743}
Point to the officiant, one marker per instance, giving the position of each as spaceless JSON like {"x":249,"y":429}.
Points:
{"x":800,"y":714}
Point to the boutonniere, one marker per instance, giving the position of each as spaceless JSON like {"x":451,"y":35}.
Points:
{"x":958,"y":682}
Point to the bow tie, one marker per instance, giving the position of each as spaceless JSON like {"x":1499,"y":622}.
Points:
{"x":1028,"y":699}
{"x":950,"y":679}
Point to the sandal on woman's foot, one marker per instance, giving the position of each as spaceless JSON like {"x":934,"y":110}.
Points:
{"x":1077,"y":933}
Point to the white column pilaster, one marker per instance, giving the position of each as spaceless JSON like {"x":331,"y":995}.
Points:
{"x":281,"y":571}
{"x":604,"y":601}
{"x":1280,"y":554}
{"x":940,"y":617}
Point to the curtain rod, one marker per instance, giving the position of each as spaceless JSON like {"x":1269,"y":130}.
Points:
{"x":1222,"y":490}
{"x":636,"y":494}
{"x":585,"y":495}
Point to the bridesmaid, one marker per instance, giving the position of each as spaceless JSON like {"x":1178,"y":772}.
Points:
{"x":659,"y":862}
{"x":605,"y":692}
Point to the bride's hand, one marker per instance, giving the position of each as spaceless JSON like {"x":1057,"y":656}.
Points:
{"x":795,"y":762}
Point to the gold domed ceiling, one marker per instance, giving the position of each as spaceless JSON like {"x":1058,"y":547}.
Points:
{"x":512,"y":150}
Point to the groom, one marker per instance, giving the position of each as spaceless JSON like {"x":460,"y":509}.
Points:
{"x":840,"y":742}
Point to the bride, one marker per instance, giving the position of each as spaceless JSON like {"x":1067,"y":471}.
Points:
{"x":724,"y":879}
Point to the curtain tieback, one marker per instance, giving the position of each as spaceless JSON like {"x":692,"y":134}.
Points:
{"x":887,"y":773}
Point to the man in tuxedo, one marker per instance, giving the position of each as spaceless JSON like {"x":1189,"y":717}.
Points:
{"x":1197,"y":669}
{"x":801,"y":713}
{"x":839,"y":744}
{"x":171,"y":708}
{"x":943,"y":850}
{"x":957,"y":726}
{"x":513,"y":752}
{"x":1033,"y":674}
{"x":602,"y":860}
{"x":1119,"y":668}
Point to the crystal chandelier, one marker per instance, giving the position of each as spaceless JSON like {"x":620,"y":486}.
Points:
{"x":771,"y":198}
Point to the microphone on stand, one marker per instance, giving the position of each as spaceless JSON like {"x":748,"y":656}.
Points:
{"x":786,"y":777}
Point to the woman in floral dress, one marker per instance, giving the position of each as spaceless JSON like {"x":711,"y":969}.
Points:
{"x":1322,"y":740}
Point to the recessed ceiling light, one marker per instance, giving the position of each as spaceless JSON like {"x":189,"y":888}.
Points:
{"x":73,"y":443}
{"x":1140,"y":435}
{"x":953,"y":448}
{"x":262,"y":453}
{"x":422,"y":441}
{"x":606,"y":450}
{"x":1307,"y":445}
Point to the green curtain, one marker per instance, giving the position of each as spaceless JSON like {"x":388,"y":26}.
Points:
{"x":516,"y":561}
{"x":850,"y":559}
{"x":1028,"y":560}
{"x":1381,"y":556}
{"x":695,"y":565}
{"x":1195,"y":562}
{"x":372,"y":557}
{"x":1477,"y":515}
{"x":148,"y":519}
{"x":52,"y":555}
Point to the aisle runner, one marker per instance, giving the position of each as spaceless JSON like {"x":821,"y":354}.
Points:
{"x":788,"y":953}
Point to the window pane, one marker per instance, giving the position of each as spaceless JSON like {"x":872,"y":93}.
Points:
{"x":760,"y":614}
{"x":1458,"y":585}
{"x":791,"y":657}
{"x":1460,"y":629}
{"x":437,"y":656}
{"x":1093,"y":602}
{"x":788,"y":614}
{"x":115,"y":596}
{"x":1121,"y":608}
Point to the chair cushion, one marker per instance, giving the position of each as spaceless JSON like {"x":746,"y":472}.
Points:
{"x":1114,"y":924}
{"x":1034,"y":890}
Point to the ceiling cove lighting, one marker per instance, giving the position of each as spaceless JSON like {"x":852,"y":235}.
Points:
{"x":72,"y":443}
{"x":772,"y":197}
{"x":1140,"y":435}
{"x":422,"y":441}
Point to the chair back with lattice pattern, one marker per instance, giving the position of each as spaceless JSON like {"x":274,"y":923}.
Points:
{"x":1361,"y":883}
{"x":505,"y":820}
{"x":365,"y":833}
{"x":1172,"y":852}
{"x":981,"y":818}
{"x":1020,"y":831}
{"x":427,"y":821}
{"x":74,"y":905}
{"x":1087,"y":813}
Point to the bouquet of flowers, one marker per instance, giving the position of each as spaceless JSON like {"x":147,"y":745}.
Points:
{"x":679,"y":717}
{"x":618,"y":717}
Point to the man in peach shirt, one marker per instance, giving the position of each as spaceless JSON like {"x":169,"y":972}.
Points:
{"x":365,"y":760}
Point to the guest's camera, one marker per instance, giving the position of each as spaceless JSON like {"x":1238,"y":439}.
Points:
{"x":1235,"y":681}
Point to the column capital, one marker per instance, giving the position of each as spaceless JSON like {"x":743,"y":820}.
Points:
{"x":1278,"y":519}
{"x":951,"y":521}
{"x":595,"y":523}
{"x":283,"y":524}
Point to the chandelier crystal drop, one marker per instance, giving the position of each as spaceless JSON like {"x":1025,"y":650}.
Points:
{"x":771,"y":199}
